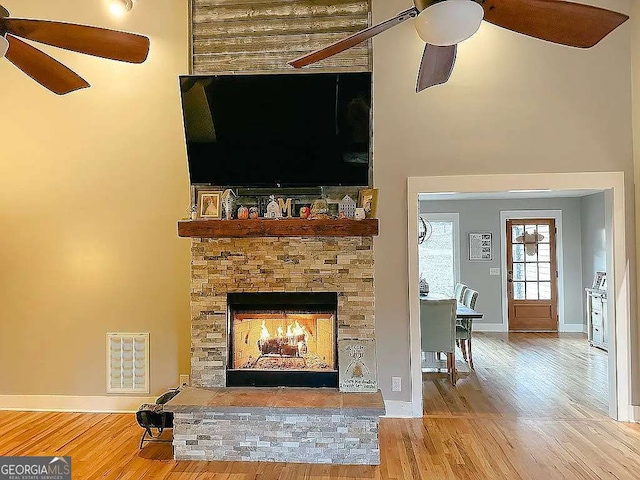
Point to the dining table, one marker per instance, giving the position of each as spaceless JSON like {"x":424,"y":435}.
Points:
{"x":462,"y":311}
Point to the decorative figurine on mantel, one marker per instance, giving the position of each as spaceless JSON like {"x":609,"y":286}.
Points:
{"x":193,"y":209}
{"x":347,"y":207}
{"x":243,"y":213}
{"x":228,"y":201}
{"x":319,"y":209}
{"x":285,"y":207}
{"x":273,"y":208}
{"x":319,"y":206}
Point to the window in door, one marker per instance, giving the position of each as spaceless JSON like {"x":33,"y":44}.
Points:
{"x":439,"y":254}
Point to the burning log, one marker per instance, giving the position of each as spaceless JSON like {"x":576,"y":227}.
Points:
{"x":289,"y":346}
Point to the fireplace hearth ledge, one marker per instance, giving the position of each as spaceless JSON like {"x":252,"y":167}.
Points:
{"x":328,"y":401}
{"x":303,"y":425}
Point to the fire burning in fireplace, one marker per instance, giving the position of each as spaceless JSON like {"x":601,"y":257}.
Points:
{"x":283,"y":341}
{"x":291,"y":344}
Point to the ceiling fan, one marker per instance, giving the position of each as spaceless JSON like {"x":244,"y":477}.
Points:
{"x":442,"y":24}
{"x":48,"y":72}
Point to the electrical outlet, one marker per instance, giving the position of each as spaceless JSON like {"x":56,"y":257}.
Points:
{"x":184,"y":380}
{"x":396,"y":384}
{"x":494,"y":271}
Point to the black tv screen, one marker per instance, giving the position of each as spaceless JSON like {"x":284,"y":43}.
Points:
{"x":278,"y":129}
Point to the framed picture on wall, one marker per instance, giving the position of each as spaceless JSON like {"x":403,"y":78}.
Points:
{"x":480,"y":246}
{"x":600,"y":281}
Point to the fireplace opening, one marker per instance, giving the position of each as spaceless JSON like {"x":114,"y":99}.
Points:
{"x":282,"y":339}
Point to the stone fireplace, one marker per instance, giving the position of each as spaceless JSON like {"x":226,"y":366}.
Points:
{"x":268,"y":311}
{"x":222,"y":268}
{"x":282,"y":339}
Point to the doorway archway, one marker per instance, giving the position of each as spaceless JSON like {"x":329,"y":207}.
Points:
{"x":619,"y":309}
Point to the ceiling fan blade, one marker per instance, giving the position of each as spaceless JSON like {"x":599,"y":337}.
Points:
{"x":45,"y":70}
{"x":3,"y":12}
{"x":100,"y":42}
{"x":436,"y":66}
{"x":566,"y":23}
{"x":353,"y":40}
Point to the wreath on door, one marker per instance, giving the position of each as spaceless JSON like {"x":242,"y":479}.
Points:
{"x":530,"y":241}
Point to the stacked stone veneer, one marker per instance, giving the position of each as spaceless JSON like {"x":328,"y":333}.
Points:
{"x":276,"y":437}
{"x":284,"y":264}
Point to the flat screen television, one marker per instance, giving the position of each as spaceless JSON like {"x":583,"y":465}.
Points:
{"x":270,"y":130}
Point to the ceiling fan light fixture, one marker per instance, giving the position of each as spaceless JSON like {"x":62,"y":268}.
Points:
{"x":120,"y":7}
{"x":4,"y":46}
{"x":449,"y":22}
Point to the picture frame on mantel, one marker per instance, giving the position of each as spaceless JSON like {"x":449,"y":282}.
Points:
{"x":210,"y":204}
{"x":368,"y":199}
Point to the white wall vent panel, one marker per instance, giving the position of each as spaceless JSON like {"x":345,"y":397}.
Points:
{"x":127,"y":363}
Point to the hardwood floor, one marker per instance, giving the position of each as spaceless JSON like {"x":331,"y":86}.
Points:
{"x":494,"y":425}
{"x":536,"y":375}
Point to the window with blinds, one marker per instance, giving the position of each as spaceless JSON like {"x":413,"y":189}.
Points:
{"x":127,"y":363}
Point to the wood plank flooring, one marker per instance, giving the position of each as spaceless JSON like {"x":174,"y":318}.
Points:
{"x":536,"y":375}
{"x":530,"y":411}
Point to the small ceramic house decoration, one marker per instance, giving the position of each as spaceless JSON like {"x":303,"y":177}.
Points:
{"x":347,"y":206}
{"x":273,"y":209}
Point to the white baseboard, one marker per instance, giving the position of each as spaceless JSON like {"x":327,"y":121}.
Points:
{"x":398,"y":409}
{"x":71,"y":403}
{"x":573,"y":328}
{"x":489,"y":327}
{"x":501,"y":327}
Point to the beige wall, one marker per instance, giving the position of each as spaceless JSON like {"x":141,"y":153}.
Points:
{"x":91,"y":186}
{"x":513,"y":105}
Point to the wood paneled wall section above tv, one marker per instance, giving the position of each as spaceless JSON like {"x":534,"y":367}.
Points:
{"x":263,"y":35}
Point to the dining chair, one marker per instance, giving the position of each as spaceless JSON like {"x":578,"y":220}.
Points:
{"x":470,"y":298}
{"x":438,"y":330}
{"x":458,"y":294}
{"x":464,"y":327}
{"x":458,"y":291}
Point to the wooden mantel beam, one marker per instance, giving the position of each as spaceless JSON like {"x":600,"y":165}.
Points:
{"x":278,"y":228}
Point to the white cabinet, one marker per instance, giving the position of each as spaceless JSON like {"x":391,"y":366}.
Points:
{"x":597,"y":317}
